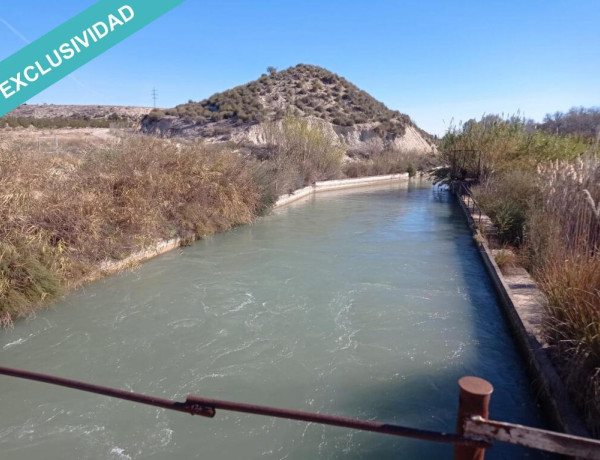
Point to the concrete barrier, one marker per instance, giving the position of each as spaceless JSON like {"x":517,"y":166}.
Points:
{"x":294,"y":196}
{"x":322,"y":186}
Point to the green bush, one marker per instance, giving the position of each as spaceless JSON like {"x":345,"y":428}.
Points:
{"x":478,"y":149}
{"x":156,"y":115}
{"x":508,"y":198}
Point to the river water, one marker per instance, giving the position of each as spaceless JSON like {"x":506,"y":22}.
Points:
{"x":368,"y":303}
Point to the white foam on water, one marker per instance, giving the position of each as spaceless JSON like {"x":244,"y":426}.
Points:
{"x":119,"y":453}
{"x":248,"y":301}
{"x":15,"y":343}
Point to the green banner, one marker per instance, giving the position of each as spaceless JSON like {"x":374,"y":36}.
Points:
{"x":69,"y":46}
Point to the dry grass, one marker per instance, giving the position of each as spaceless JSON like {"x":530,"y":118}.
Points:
{"x":565,"y":241}
{"x":62,"y":214}
{"x":572,"y":286}
{"x":571,"y":192}
{"x":505,"y":259}
{"x":553,"y":217}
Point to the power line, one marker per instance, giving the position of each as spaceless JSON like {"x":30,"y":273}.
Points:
{"x":154,"y":96}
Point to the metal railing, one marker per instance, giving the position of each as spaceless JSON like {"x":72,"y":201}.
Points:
{"x":475,"y":433}
{"x":472,"y":205}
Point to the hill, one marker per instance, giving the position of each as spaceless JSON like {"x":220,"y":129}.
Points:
{"x":238,"y":114}
{"x":73,"y":116}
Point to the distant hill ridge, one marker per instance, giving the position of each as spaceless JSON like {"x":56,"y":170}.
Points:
{"x":73,"y":116}
{"x":310,"y":90}
{"x":303,"y":90}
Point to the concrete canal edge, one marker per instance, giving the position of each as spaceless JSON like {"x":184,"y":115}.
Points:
{"x":111,"y":266}
{"x":524,"y":313}
{"x":327,"y":185}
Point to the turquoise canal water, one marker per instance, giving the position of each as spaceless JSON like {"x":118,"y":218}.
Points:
{"x":369,"y":303}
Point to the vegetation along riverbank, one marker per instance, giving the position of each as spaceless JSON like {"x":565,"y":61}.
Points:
{"x":69,"y":203}
{"x":61,"y":215}
{"x":64,"y":214}
{"x":540,"y":184}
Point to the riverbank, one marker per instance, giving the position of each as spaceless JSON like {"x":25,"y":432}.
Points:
{"x":107,"y":267}
{"x":541,"y":190}
{"x":523,"y":305}
{"x":75,"y":215}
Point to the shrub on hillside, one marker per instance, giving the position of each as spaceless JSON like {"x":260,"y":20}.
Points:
{"x":57,"y":122}
{"x":302,"y":87}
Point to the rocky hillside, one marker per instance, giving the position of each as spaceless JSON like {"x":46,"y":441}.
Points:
{"x":356,"y":118}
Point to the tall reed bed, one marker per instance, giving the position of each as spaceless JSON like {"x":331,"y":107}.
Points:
{"x":63,"y":214}
{"x":564,"y":237}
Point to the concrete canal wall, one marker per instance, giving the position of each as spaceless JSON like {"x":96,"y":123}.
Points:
{"x":323,"y":186}
{"x":523,"y":305}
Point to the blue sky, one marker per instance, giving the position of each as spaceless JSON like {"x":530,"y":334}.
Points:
{"x":434,"y":60}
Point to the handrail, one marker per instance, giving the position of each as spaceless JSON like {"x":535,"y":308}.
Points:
{"x":207,"y":407}
{"x":559,"y":443}
{"x":475,"y":433}
{"x":467,"y":192}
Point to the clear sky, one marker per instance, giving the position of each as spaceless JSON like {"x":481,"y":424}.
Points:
{"x":434,"y":60}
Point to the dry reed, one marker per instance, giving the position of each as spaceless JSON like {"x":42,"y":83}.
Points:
{"x":62,"y":214}
{"x":568,"y":268}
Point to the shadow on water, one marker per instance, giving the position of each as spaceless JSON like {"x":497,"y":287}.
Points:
{"x":496,"y":361}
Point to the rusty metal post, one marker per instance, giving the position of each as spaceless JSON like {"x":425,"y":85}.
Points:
{"x":473,"y":399}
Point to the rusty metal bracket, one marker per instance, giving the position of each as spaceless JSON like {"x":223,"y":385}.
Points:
{"x":194,"y":408}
